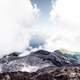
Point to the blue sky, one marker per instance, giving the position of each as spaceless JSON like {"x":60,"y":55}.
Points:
{"x":44,"y":6}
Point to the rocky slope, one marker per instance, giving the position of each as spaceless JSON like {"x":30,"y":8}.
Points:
{"x":49,"y":73}
{"x":37,"y":60}
{"x":40,"y":65}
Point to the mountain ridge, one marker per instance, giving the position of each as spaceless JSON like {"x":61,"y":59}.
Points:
{"x":37,"y":60}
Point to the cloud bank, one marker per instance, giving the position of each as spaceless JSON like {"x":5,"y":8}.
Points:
{"x":16,"y":19}
{"x":63,"y":29}
{"x":65,"y":18}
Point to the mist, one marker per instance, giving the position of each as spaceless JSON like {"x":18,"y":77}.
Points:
{"x":16,"y":19}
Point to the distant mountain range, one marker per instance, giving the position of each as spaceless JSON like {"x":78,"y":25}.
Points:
{"x":38,"y":60}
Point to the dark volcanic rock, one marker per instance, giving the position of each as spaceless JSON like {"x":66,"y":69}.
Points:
{"x":53,"y":59}
{"x":49,"y":73}
{"x":38,"y":59}
{"x":35,"y":59}
{"x":10,"y":57}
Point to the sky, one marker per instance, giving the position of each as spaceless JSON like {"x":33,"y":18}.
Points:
{"x":44,"y":6}
{"x":39,"y":24}
{"x":61,"y":25}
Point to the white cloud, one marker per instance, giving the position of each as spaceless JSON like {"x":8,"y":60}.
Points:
{"x":65,"y":17}
{"x":16,"y":19}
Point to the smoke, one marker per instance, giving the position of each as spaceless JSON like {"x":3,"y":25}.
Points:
{"x":65,"y":17}
{"x":16,"y":19}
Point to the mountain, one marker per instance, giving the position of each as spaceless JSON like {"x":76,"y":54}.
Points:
{"x":10,"y":57}
{"x":37,"y":60}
